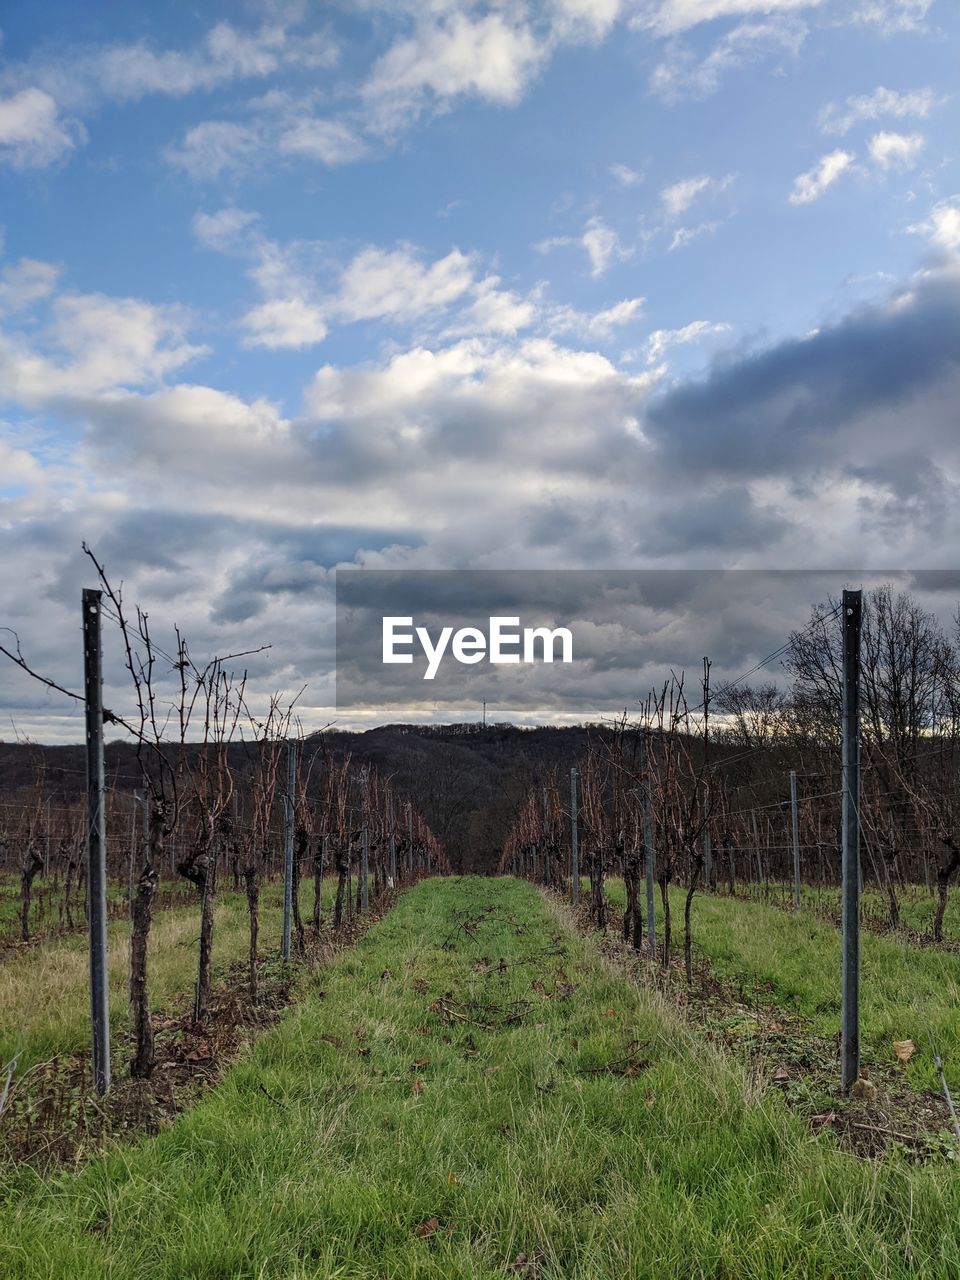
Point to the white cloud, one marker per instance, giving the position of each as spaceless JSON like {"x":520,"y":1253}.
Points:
{"x":892,"y":16}
{"x":580,"y":20}
{"x":493,"y":311}
{"x":457,"y":56}
{"x":304,"y":290}
{"x":678,"y":198}
{"x":943,"y":224}
{"x":331,"y":142}
{"x":395,"y":284}
{"x":882,"y":102}
{"x":379,"y":284}
{"x":553,"y":242}
{"x":660,"y":341}
{"x":494,"y":406}
{"x":121,"y":341}
{"x":190,"y":428}
{"x":81,"y":76}
{"x":284,"y":323}
{"x":811,"y":185}
{"x":457,"y":50}
{"x":619,"y":314}
{"x":625,"y":176}
{"x":27,"y":282}
{"x":224,"y":230}
{"x":896,"y":150}
{"x":130,"y":72}
{"x":670,"y":17}
{"x":680,"y":75}
{"x":683,"y":235}
{"x":601,"y":243}
{"x":18,"y":466}
{"x":95,"y":345}
{"x":33,"y":134}
{"x":279,"y":127}
{"x":603,"y":246}
{"x":598,"y":325}
{"x":214,"y":147}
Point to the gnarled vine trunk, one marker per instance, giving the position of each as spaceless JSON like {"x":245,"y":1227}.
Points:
{"x":318,"y":862}
{"x":251,"y":882}
{"x":343,"y":872}
{"x":31,"y":868}
{"x":945,"y":872}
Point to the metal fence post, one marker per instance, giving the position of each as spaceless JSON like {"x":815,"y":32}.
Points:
{"x":649,"y":852}
{"x":409,"y":840}
{"x":393,"y":842}
{"x":795,"y":836}
{"x":574,"y":846}
{"x":547,"y":868}
{"x":850,"y":821}
{"x":365,"y":844}
{"x":290,"y":807}
{"x":96,"y":840}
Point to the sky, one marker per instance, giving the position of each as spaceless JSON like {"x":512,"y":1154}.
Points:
{"x":434,"y":284}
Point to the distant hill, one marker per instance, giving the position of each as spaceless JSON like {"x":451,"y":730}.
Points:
{"x":468,"y":779}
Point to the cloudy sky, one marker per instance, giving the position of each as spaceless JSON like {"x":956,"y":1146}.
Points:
{"x":442,"y":284}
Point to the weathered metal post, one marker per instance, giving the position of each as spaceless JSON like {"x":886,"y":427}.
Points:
{"x":574,"y":846}
{"x":409,"y":840}
{"x":649,"y":858}
{"x":547,"y":868}
{"x":850,"y":821}
{"x":96,"y":840}
{"x":707,"y":857}
{"x":290,"y":807}
{"x":795,"y":836}
{"x":365,"y":843}
{"x":392,"y":872}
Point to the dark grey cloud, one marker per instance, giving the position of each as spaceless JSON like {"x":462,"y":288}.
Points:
{"x":631,"y":630}
{"x":727,"y":518}
{"x":882,"y":378}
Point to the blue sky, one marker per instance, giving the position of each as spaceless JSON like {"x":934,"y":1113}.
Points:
{"x":559,"y":283}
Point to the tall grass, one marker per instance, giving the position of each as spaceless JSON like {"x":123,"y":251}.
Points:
{"x":44,"y":991}
{"x":907,"y":992}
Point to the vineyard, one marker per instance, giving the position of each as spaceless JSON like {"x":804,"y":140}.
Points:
{"x":621,"y":1052}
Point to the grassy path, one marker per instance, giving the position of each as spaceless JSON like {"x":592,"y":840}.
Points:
{"x":427,"y":1111}
{"x":907,"y":992}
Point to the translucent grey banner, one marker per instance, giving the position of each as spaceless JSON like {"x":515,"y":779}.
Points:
{"x":573,"y":644}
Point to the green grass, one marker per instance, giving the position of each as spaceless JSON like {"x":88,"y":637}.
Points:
{"x":44,"y":990}
{"x":907,"y":992}
{"x":313,"y":1159}
{"x":917,"y":906}
{"x":46,"y":899}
